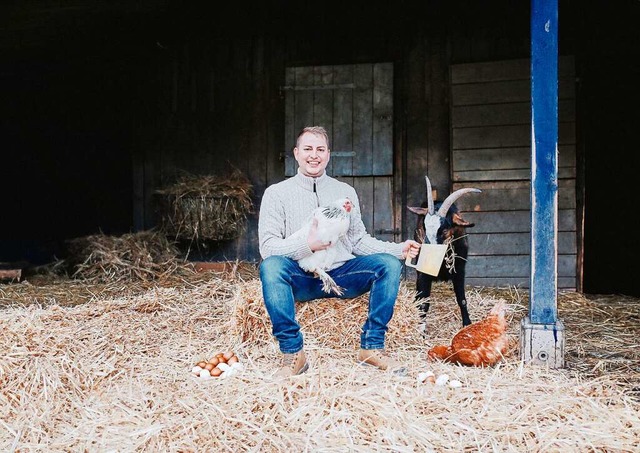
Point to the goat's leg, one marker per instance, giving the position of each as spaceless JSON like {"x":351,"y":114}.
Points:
{"x":423,"y":287}
{"x":457,"y":278}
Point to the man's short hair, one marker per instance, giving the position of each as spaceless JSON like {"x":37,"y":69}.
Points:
{"x":315,"y":130}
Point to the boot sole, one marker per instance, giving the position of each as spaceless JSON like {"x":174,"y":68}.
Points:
{"x":303,"y":369}
{"x":402,"y":371}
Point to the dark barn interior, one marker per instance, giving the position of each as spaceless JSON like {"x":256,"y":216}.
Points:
{"x":105,"y":102}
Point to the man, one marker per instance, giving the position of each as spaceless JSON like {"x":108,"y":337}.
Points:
{"x":363,"y":263}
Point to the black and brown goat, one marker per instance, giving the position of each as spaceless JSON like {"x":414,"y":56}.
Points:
{"x":444,"y":226}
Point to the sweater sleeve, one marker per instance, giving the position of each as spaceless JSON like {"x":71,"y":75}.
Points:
{"x":271,"y":230}
{"x":363,"y":242}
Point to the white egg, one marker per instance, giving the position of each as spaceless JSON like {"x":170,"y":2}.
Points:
{"x":205,"y":374}
{"x":224,"y":367}
{"x":229,"y":373}
{"x":455,"y":384}
{"x":442,"y":379}
{"x":196,"y":370}
{"x":424,"y":376}
{"x":237,"y":366}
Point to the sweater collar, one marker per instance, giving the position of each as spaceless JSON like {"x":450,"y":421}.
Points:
{"x":306,"y":182}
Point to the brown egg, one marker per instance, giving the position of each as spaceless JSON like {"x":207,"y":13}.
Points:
{"x":220,"y":354}
{"x":222,"y":360}
{"x":232,"y":359}
{"x":216,"y":372}
{"x":228,"y":355}
{"x":214,"y":361}
{"x":202,"y":364}
{"x":209,"y":366}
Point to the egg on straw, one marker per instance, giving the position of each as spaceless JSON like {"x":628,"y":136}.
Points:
{"x":223,"y":364}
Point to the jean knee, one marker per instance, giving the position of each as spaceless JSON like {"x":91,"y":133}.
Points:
{"x":272,"y":266}
{"x":391,"y":264}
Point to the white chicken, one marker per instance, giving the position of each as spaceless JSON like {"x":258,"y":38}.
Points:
{"x":333,"y":223}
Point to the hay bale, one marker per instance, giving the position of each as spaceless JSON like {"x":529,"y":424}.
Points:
{"x":206,"y":208}
{"x":146,"y":255}
{"x":328,"y":323}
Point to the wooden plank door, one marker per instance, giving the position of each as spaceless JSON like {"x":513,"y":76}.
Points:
{"x":354,"y":103}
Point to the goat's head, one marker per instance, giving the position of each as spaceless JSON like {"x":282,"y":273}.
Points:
{"x":445,"y":218}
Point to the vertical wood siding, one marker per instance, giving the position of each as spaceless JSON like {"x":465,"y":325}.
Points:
{"x":215,"y":110}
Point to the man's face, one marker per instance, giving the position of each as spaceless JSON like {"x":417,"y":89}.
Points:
{"x":312,"y":154}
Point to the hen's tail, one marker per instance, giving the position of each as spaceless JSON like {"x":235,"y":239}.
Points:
{"x":498,"y":309}
{"x":328,"y":284}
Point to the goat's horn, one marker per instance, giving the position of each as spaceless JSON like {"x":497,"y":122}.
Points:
{"x":429,"y":196}
{"x":446,"y":204}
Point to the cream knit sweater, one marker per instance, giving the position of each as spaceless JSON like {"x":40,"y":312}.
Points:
{"x":287,"y":206}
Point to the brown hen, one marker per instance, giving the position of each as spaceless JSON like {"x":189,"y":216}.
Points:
{"x":482,"y":343}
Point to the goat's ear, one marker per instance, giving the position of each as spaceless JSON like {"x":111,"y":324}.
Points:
{"x":460,"y":221}
{"x":419,"y":211}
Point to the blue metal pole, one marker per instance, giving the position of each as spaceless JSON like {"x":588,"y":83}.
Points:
{"x":544,"y":163}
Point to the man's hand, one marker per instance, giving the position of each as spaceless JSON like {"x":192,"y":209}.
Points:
{"x":314,"y":242}
{"x":411,"y":248}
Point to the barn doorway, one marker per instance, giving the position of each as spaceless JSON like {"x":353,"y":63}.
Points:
{"x":355,"y":104}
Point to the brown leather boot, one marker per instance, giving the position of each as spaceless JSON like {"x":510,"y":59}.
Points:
{"x":379,"y":359}
{"x":292,"y":364}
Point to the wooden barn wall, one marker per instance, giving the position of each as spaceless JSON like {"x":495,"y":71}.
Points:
{"x":216,"y":110}
{"x":219,"y":106}
{"x":219,"y":103}
{"x":491,"y":150}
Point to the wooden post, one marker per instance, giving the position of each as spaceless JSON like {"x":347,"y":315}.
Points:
{"x":542,"y":334}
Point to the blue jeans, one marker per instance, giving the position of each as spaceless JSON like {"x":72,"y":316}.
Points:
{"x":284,"y":282}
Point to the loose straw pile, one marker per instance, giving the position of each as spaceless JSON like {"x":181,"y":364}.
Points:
{"x":115,"y":374}
{"x":142,"y":256}
{"x":51,"y":289}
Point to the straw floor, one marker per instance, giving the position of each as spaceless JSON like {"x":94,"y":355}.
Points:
{"x":111,"y":372}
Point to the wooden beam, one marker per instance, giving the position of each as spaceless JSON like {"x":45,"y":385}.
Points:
{"x":542,"y":334}
{"x":544,"y":161}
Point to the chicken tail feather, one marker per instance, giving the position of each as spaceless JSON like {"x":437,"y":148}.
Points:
{"x":328,"y":284}
{"x":498,"y":309}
